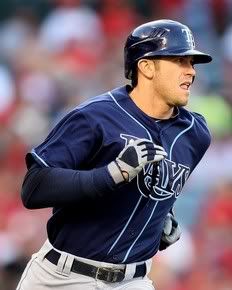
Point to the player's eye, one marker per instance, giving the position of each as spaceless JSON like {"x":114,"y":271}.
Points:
{"x":185,"y":60}
{"x":181,"y":60}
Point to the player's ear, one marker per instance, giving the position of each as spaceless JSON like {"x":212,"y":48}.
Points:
{"x":146,"y":68}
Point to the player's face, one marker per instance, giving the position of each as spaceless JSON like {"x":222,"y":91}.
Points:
{"x":173,"y":78}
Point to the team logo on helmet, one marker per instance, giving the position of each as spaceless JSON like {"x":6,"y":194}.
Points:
{"x":189,"y":37}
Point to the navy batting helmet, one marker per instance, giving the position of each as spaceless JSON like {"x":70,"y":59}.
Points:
{"x":160,"y":38}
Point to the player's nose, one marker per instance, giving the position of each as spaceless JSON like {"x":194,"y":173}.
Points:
{"x":190,"y":71}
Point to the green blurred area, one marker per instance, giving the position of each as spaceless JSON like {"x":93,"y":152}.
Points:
{"x":217,"y":113}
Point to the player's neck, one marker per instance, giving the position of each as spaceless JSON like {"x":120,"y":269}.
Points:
{"x":150,"y":104}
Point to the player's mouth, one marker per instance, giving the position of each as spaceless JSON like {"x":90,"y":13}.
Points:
{"x":185,"y":85}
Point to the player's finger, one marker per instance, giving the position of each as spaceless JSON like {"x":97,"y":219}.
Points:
{"x":153,"y":151}
{"x":167,"y":225}
{"x":174,"y":236}
{"x":147,"y":146}
{"x":158,"y":147}
{"x":174,"y":222}
{"x":151,"y":145}
{"x":164,"y":153}
{"x":152,"y":157}
{"x":140,"y":142}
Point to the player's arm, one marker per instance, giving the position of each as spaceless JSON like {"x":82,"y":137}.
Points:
{"x":50,"y":186}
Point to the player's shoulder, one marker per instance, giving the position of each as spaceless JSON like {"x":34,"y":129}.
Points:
{"x":102,"y":102}
{"x":193,"y":117}
{"x":199,"y":125}
{"x":200,"y":122}
{"x":93,"y":110}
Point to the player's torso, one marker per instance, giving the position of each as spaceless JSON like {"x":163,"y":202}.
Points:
{"x":126,"y":226}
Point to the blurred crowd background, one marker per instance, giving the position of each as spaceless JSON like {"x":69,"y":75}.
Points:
{"x":56,"y":53}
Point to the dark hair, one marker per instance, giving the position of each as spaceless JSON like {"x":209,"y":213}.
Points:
{"x":134,"y":76}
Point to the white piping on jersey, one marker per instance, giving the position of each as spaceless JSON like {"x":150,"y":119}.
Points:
{"x":40,"y":159}
{"x":181,"y":133}
{"x":141,"y":125}
{"x":128,"y":252}
{"x":148,"y":133}
{"x":134,"y":210}
{"x":114,"y":244}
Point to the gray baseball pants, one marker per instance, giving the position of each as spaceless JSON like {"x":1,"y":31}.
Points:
{"x":40,"y":274}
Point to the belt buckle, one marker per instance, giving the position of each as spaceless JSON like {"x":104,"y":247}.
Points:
{"x":110,"y":275}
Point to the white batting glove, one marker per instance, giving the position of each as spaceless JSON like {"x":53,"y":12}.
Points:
{"x":171,"y":232}
{"x":133,"y":158}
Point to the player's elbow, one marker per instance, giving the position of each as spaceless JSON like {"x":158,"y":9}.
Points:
{"x":29,"y":199}
{"x":26,"y":199}
{"x":29,"y":189}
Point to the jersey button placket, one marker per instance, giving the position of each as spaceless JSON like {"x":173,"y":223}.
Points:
{"x":132,"y":233}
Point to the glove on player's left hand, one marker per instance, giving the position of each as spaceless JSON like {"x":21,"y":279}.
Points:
{"x":171,"y":232}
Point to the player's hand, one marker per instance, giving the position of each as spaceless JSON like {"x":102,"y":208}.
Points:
{"x":133,"y":158}
{"x":171,"y":232}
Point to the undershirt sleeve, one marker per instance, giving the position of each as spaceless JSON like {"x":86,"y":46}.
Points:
{"x":54,"y":187}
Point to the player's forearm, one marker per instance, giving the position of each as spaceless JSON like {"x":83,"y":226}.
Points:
{"x":51,"y":187}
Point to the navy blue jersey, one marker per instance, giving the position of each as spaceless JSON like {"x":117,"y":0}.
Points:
{"x":126,"y":226}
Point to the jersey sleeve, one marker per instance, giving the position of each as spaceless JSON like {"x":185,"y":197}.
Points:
{"x":69,"y":144}
{"x":202,"y":135}
{"x":203,"y":130}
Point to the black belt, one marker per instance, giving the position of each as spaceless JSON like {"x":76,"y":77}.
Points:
{"x":102,"y":273}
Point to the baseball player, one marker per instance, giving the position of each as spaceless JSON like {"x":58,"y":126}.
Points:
{"x":114,"y":166}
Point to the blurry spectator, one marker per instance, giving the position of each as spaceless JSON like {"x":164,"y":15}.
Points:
{"x":173,"y":263}
{"x":7,"y":90}
{"x":221,"y":14}
{"x":118,"y":18}
{"x":16,"y":32}
{"x":70,"y":22}
{"x":73,"y":33}
{"x":198,"y":15}
{"x":29,"y":123}
{"x":226,"y":45}
{"x":168,"y":9}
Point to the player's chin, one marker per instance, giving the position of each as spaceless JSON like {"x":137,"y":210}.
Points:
{"x":181,"y":102}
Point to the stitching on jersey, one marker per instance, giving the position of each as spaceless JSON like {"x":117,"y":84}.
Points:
{"x":39,"y":158}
